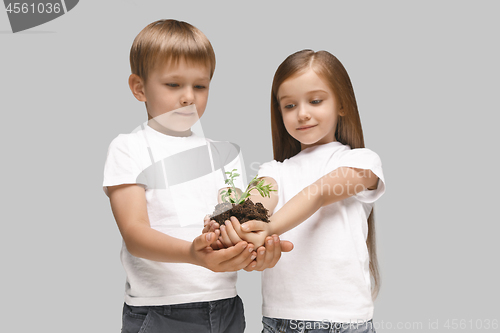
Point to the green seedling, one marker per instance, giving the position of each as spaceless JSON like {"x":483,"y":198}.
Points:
{"x":238,"y":198}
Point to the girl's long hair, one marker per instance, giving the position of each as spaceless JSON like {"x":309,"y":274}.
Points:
{"x":348,"y":131}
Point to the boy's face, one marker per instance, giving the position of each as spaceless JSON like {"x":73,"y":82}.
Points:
{"x":176,"y":96}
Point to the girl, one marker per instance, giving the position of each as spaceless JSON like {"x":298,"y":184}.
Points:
{"x":326,"y":184}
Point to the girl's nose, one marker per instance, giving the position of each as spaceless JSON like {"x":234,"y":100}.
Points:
{"x":303,"y":114}
{"x":187,"y":97}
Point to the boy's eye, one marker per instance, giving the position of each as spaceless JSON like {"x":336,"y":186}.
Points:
{"x":173,"y":85}
{"x":316,"y":101}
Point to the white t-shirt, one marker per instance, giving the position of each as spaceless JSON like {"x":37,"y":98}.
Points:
{"x":326,"y":276}
{"x":145,"y":157}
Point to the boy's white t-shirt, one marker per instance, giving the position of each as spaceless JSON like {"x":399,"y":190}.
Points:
{"x":326,"y":276}
{"x":176,"y":210}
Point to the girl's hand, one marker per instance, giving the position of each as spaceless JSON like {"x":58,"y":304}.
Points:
{"x":206,"y":222}
{"x":209,"y":225}
{"x":254,"y":232}
{"x":268,"y":256}
{"x":228,"y":234}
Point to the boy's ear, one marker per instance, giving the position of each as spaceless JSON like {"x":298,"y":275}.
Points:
{"x":136,"y":85}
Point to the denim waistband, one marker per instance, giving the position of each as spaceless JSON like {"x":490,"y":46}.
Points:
{"x":167,"y":309}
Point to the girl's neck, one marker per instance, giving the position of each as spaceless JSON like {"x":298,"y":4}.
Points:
{"x":305,"y":146}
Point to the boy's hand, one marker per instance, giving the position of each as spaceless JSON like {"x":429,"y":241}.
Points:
{"x":268,"y":256}
{"x":224,"y":260}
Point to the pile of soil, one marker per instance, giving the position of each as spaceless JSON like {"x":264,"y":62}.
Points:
{"x":243,"y":212}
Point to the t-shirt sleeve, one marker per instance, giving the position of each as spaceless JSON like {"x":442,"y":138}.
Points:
{"x":121,"y":165}
{"x":361,"y":158}
{"x":270,"y":169}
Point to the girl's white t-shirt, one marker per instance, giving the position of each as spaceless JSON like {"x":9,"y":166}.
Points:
{"x":176,"y":210}
{"x":326,"y":277}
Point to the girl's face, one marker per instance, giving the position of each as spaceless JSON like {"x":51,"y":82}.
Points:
{"x":309,"y":109}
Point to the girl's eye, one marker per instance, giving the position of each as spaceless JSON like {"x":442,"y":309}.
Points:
{"x":199,"y":87}
{"x":173,"y":85}
{"x":289,"y":106}
{"x":316,"y":101}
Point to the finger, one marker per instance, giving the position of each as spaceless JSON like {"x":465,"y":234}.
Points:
{"x":286,"y":246}
{"x":253,"y":226}
{"x":260,"y":260}
{"x":203,"y":241}
{"x":206,"y":227}
{"x":273,"y":260}
{"x":206,"y":220}
{"x":241,"y":261}
{"x":214,"y":245}
{"x":271,"y":257}
{"x":224,"y":238}
{"x":231,"y":252}
{"x":238,"y":257}
{"x":214,"y":226}
{"x":217,"y":234}
{"x":220,"y":245}
{"x":251,"y":266}
{"x":231,"y":227}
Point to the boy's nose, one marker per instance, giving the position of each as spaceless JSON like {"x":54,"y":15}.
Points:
{"x":187,"y":97}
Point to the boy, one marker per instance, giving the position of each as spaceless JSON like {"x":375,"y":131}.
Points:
{"x":165,"y":258}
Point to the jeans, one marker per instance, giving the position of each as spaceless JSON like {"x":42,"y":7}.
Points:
{"x":220,"y":316}
{"x":275,"y":325}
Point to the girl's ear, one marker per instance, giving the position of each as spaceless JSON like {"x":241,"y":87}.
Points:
{"x":136,"y":85}
{"x":341,"y":112}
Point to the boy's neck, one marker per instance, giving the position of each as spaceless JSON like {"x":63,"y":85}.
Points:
{"x":159,"y":128}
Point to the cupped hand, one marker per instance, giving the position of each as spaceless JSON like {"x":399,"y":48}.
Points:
{"x":231,"y":259}
{"x":269,"y":255}
{"x":212,"y":226}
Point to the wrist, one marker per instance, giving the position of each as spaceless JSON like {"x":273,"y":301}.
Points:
{"x":273,"y":226}
{"x":190,"y":255}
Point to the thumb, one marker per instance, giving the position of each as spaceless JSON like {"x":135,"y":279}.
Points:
{"x":286,"y":246}
{"x":204,"y":240}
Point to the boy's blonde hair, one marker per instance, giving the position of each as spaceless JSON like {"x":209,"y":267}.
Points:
{"x":168,"y":41}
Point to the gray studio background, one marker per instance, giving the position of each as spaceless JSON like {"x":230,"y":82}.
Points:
{"x":426,"y":79}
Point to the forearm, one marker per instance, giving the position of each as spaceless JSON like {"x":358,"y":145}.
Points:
{"x":144,"y":242}
{"x":295,"y":211}
{"x":129,"y":206}
{"x":333,"y":187}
